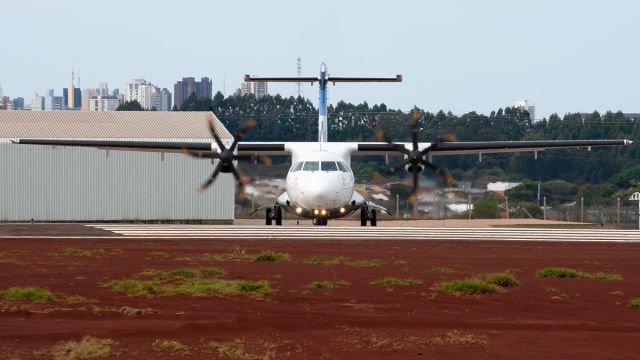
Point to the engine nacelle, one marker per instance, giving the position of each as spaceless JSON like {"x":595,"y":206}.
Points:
{"x":413,"y":168}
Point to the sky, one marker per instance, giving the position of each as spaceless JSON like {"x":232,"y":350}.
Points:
{"x":456,"y":55}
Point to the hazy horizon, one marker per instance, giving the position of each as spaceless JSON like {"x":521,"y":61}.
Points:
{"x":459,"y":56}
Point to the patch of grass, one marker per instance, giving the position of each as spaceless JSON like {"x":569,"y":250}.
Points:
{"x":564,"y":273}
{"x":444,"y":270}
{"x":604,"y":276}
{"x":342,"y":283}
{"x":341,"y":260}
{"x":75,"y":299}
{"x":88,"y":348}
{"x":634,"y":303}
{"x":319,"y":285}
{"x":236,"y":350}
{"x":33,"y":294}
{"x":392,"y":281}
{"x":82,"y":252}
{"x":473,"y":286}
{"x":270,"y":256}
{"x":159,"y":254}
{"x":211,"y":272}
{"x":500,"y":279}
{"x":202,"y":287}
{"x":561,"y":273}
{"x":457,"y":338}
{"x":168,"y":345}
{"x":182,"y":273}
{"x":133,"y":287}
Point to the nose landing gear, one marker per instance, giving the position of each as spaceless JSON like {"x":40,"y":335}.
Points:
{"x":367,"y":215}
{"x":273,"y":214}
{"x":320,"y":221}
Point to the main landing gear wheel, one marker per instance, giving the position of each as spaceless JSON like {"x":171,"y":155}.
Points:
{"x":268,"y":220}
{"x":367,"y":215}
{"x":278,"y":215}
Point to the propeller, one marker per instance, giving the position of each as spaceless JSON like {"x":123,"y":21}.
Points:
{"x":226,"y":155}
{"x":416,"y":159}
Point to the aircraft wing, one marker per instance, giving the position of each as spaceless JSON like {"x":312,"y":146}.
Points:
{"x":204,"y":147}
{"x":486,"y":147}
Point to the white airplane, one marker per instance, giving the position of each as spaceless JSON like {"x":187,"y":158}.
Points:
{"x":320,"y":183}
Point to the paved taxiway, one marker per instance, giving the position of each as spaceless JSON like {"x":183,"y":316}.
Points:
{"x":367,"y":233}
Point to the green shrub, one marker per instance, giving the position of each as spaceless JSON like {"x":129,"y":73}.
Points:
{"x":500,"y":279}
{"x":319,"y":285}
{"x":82,"y":252}
{"x":634,"y":303}
{"x":469,"y":287}
{"x":559,"y":272}
{"x":33,"y":294}
{"x":271,"y":256}
{"x":443,"y":270}
{"x":134,"y":287}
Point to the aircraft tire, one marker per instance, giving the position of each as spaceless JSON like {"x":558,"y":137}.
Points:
{"x":278,"y":216}
{"x":363,"y":217}
{"x":373,"y":219}
{"x":267,"y":217}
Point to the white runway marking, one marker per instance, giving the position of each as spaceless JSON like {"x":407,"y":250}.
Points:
{"x":367,"y":233}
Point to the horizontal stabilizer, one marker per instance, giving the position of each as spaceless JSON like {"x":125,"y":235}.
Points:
{"x":311,"y":80}
{"x":333,"y":79}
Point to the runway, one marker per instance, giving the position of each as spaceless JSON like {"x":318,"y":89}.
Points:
{"x":366,"y":233}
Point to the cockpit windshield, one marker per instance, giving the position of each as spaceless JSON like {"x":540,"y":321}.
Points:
{"x":297,"y":166}
{"x":328,"y":166}
{"x":343,"y":167}
{"x":311,"y":166}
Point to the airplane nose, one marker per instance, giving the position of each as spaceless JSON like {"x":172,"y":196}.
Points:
{"x":318,"y":194}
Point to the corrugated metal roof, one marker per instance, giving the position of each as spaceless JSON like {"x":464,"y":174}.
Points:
{"x":177,"y":125}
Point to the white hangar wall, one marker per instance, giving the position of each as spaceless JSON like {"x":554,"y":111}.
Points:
{"x":46,"y":183}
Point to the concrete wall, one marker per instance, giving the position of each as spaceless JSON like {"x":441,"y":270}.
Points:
{"x":78,"y":184}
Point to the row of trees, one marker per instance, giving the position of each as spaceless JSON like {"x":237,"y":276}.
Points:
{"x":295,"y":119}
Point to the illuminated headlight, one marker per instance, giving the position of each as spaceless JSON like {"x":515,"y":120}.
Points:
{"x":323,"y":212}
{"x":316,"y":212}
{"x":342,"y":210}
{"x":299,"y":210}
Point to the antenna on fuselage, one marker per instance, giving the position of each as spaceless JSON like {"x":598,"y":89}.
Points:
{"x":322,"y":80}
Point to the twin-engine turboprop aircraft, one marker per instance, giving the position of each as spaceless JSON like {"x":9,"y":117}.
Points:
{"x":320,"y":182}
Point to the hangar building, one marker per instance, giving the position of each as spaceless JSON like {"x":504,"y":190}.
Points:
{"x":48,"y":183}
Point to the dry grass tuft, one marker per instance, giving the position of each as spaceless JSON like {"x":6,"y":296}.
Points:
{"x":168,"y":345}
{"x":341,"y":260}
{"x":88,"y":348}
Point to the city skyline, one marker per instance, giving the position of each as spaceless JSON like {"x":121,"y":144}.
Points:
{"x":570,"y":56}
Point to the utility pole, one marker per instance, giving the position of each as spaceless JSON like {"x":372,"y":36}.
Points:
{"x":469,"y":206}
{"x":398,"y":205}
{"x":538,"y":192}
{"x":299,"y":84}
{"x":581,"y":209}
{"x":544,"y":208}
{"x":618,"y":211}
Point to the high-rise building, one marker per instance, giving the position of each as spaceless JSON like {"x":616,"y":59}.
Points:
{"x":72,"y":98}
{"x":87,"y":94}
{"x":161,"y":100}
{"x":524,"y":105}
{"x":37,"y":103}
{"x":148,"y":95}
{"x":52,"y":102}
{"x":103,"y":103}
{"x":18,"y":103}
{"x":188,"y":85}
{"x":103,"y":89}
{"x":6,"y":103}
{"x":259,"y":89}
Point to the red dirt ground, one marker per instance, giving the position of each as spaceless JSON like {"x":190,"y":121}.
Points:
{"x":542,"y":318}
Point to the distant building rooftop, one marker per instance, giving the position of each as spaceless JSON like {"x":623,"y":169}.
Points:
{"x":188,"y":125}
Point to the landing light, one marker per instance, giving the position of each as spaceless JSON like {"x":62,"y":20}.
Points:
{"x":316,"y":212}
{"x":323,"y":212}
{"x":299,"y":210}
{"x":342,"y":210}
